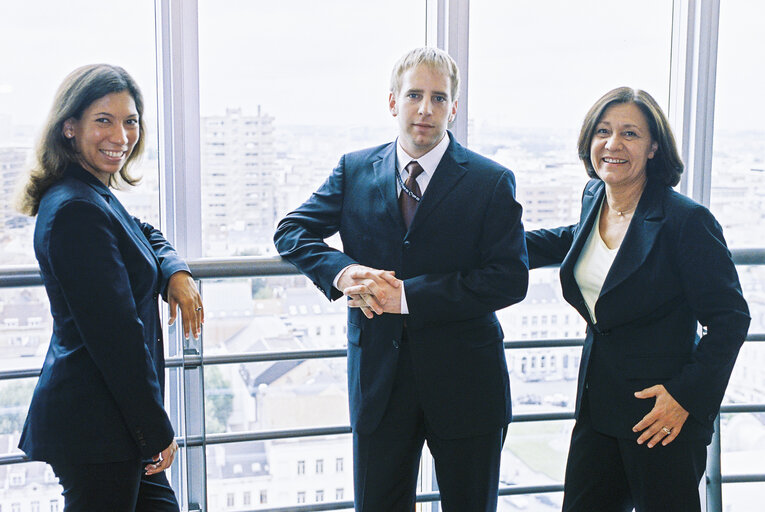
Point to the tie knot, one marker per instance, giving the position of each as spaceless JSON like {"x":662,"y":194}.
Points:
{"x":414,"y":169}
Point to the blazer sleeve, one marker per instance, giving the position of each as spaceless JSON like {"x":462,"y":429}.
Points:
{"x":86,"y":261}
{"x":500,"y":277}
{"x":169,"y":260}
{"x":549,"y":246}
{"x":710,"y":284}
{"x":300,"y":236}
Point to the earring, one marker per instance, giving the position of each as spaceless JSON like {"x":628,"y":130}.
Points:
{"x":68,"y":134}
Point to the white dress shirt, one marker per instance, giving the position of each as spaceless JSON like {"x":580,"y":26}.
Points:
{"x":593,"y":265}
{"x":429,"y":161}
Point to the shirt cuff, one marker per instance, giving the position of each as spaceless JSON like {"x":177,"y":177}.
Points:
{"x":404,"y":307}
{"x":337,"y":277}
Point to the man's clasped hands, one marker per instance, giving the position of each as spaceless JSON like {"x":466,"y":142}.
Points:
{"x":374,"y":291}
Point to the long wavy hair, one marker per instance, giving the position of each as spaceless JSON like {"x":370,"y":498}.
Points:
{"x":55,"y":152}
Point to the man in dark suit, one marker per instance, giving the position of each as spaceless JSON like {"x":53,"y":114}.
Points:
{"x":433,"y":245}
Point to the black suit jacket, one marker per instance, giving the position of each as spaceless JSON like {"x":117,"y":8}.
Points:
{"x":100,"y":394}
{"x":672,"y":272}
{"x":463,"y":257}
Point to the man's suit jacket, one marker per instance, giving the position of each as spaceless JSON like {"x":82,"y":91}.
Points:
{"x":462,"y":258}
{"x":672,"y":272}
{"x":100,"y":394}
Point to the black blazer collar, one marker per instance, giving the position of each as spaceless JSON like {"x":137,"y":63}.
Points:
{"x":130,"y":223}
{"x":78,"y":172}
{"x":640,"y":238}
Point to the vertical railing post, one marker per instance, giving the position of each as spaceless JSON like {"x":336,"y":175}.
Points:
{"x":714,"y":471}
{"x":180,"y":187}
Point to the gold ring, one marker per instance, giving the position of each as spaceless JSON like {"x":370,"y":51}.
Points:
{"x":666,"y":430}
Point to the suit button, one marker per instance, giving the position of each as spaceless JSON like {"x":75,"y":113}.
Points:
{"x":407,"y":244}
{"x":395,"y":344}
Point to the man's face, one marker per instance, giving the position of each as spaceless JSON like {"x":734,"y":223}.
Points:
{"x":423,"y":107}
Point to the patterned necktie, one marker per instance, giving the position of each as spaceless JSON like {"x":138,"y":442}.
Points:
{"x":407,"y":203}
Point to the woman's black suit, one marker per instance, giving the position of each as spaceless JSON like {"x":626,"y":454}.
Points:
{"x":672,"y":272}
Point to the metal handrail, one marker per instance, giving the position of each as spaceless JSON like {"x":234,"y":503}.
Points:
{"x":251,"y":266}
{"x":295,"y":355}
{"x":18,"y":276}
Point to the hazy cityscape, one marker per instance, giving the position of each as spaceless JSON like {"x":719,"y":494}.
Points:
{"x":253,"y":172}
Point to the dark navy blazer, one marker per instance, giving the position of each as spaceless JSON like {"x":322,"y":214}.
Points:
{"x":100,"y":394}
{"x":463,"y":258}
{"x":673,"y":271}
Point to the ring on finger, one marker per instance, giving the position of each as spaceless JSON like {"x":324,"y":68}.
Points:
{"x":666,"y":430}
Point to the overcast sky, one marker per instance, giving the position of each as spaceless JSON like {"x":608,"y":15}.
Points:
{"x":538,"y":64}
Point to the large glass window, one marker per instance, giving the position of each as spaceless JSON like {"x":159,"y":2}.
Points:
{"x":533,"y":76}
{"x":535,"y":70}
{"x":41,"y":45}
{"x":738,"y":202}
{"x":286,"y":88}
{"x":738,"y":163}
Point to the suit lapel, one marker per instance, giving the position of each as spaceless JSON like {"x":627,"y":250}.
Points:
{"x":448,"y":173}
{"x":592,"y":199}
{"x":385,"y":181}
{"x":639,"y":239}
{"x":130,"y":225}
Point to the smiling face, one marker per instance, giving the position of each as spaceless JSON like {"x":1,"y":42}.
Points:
{"x":105,"y":134}
{"x":622,"y":145}
{"x":423,"y":107}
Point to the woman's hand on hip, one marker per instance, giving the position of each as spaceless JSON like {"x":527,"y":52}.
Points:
{"x":162,"y":460}
{"x":182,"y":293}
{"x":664,"y":422}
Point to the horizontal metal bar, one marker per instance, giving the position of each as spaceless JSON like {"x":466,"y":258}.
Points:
{"x":20,"y":373}
{"x":313,"y":507}
{"x":13,"y":459}
{"x":269,"y":435}
{"x":748,"y":256}
{"x":543,"y":416}
{"x":255,"y":357}
{"x":277,"y":434}
{"x":241,"y":267}
{"x":741,"y":479}
{"x":739,"y":408}
{"x":252,"y":266}
{"x":547,"y":343}
{"x":293,"y":355}
{"x":27,"y":275}
{"x":421,"y":498}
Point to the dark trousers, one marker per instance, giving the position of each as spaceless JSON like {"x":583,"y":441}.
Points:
{"x":385,"y":463}
{"x":608,"y":474}
{"x":114,"y":486}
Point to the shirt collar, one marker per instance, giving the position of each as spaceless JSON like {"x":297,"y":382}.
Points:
{"x":429,"y":161}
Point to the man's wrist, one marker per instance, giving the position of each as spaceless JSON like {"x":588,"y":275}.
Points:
{"x":336,"y":281}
